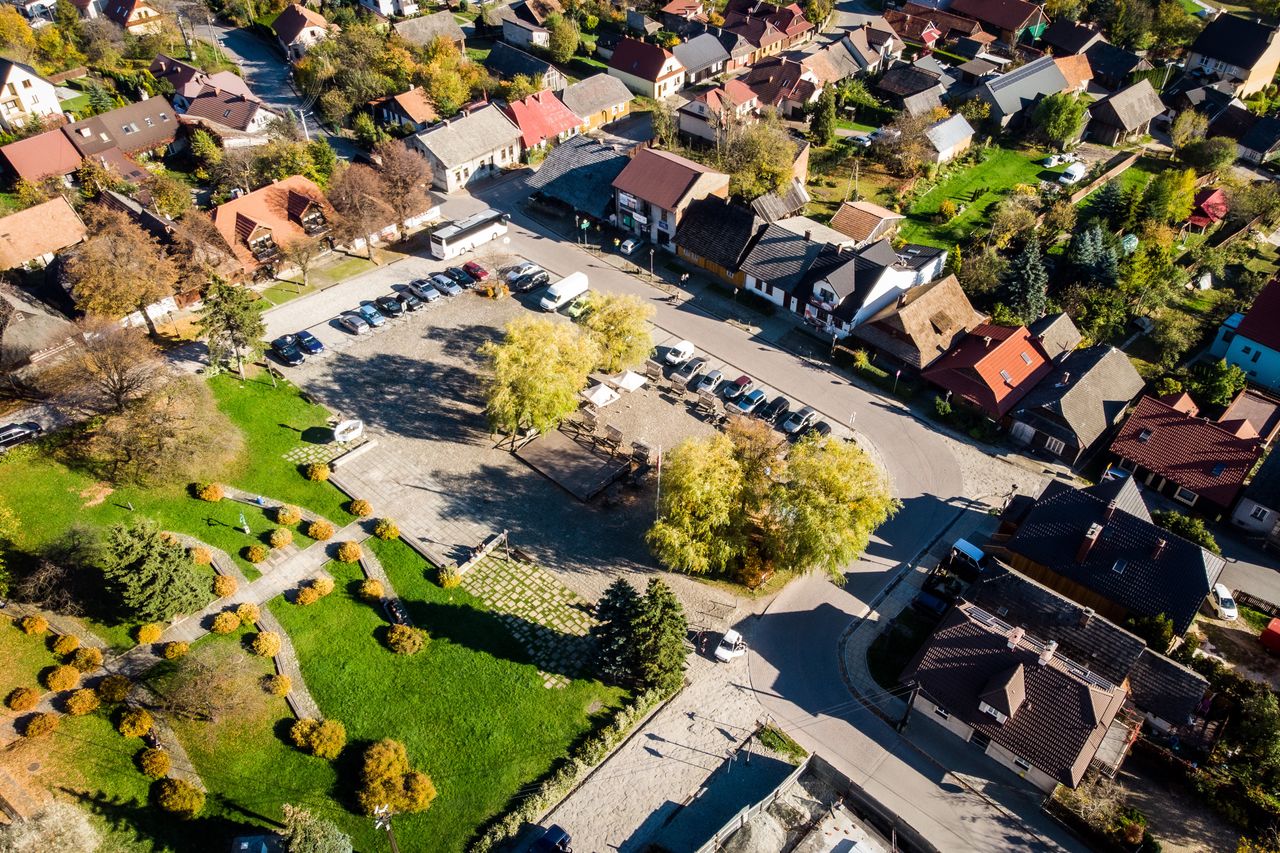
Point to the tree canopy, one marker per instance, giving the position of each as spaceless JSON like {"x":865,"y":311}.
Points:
{"x":1188,"y":527}
{"x":149,"y":573}
{"x":1059,"y":117}
{"x":231,"y":324}
{"x":120,"y":268}
{"x":537,"y":371}
{"x":619,"y":325}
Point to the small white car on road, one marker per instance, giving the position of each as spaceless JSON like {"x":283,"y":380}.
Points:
{"x":630,"y":245}
{"x":680,"y":353}
{"x":1223,"y":604}
{"x":731,"y":646}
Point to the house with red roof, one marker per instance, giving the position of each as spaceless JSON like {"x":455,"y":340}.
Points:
{"x":259,"y":225}
{"x":703,"y":114}
{"x":991,"y":369}
{"x":769,"y":29}
{"x":646,"y":69}
{"x":1167,"y":445}
{"x":1251,"y":340}
{"x":784,"y":84}
{"x":1209,"y":209}
{"x":542,"y":118}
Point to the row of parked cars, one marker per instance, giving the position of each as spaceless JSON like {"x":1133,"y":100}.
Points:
{"x":741,"y":394}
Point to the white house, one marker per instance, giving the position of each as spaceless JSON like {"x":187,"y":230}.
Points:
{"x":646,"y":69}
{"x":25,"y":94}
{"x":843,"y":297}
{"x":298,"y":28}
{"x":392,"y":8}
{"x":471,"y":146}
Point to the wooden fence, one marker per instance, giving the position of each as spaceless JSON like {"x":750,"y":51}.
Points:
{"x":1115,"y":166}
{"x":1259,"y":604}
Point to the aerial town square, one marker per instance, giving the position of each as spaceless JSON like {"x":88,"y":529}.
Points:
{"x":560,"y":425}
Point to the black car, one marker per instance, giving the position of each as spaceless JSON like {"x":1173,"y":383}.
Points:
{"x":530,"y":281}
{"x":389,"y":305}
{"x":11,"y":435}
{"x":285,"y":348}
{"x":774,"y":409}
{"x":309,"y":343}
{"x":821,"y":428}
{"x":409,"y":302}
{"x":460,"y":275}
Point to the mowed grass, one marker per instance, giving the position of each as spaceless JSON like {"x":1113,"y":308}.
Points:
{"x":24,"y":656}
{"x":472,"y":712}
{"x":976,"y":189}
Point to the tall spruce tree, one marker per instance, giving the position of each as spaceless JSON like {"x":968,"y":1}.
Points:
{"x":822,"y":130}
{"x":1026,"y":283}
{"x":616,"y":614}
{"x":149,"y":574}
{"x":231,"y":323}
{"x":659,"y":637}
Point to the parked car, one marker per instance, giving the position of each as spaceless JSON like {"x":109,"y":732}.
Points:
{"x":476,"y":271}
{"x":796,"y":422}
{"x":530,"y":281}
{"x":688,"y":370}
{"x":680,"y":353}
{"x":423,"y":289}
{"x":446,"y":285}
{"x":629,"y":245}
{"x":775,"y":408}
{"x":1223,"y":604}
{"x":11,"y":435}
{"x":285,"y":349}
{"x":354,"y":323}
{"x":578,"y":307}
{"x":371,"y":315}
{"x":554,"y":840}
{"x":710,"y":382}
{"x":731,"y":646}
{"x":751,"y":401}
{"x":821,"y":428}
{"x":309,"y":343}
{"x":523,"y":268}
{"x":409,"y":302}
{"x":389,"y":305}
{"x":460,"y":276}
{"x":738,"y":387}
{"x":1073,"y":174}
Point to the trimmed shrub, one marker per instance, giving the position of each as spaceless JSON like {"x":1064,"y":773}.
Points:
{"x":149,"y":633}
{"x":83,"y":701}
{"x":288,"y":515}
{"x":224,"y":585}
{"x":386,"y":529}
{"x":300,"y":732}
{"x":225,"y":622}
{"x":349,"y":552}
{"x":404,"y":640}
{"x":154,"y":762}
{"x":360,"y":508}
{"x":211,"y":492}
{"x":277,"y":685}
{"x":256,"y":553}
{"x":22,"y":699}
{"x":449,"y":577}
{"x":40,"y":725}
{"x":62,"y":677}
{"x":327,"y":740}
{"x":317,"y":472}
{"x":386,"y":778}
{"x":175,"y":650}
{"x":114,"y":689}
{"x":322,"y":586}
{"x":201,"y":556}
{"x":319,"y":530}
{"x":306,"y":596}
{"x":371,"y":589}
{"x":33,"y":625}
{"x":65,"y":644}
{"x":280,"y":537}
{"x":266,"y":644}
{"x":87,"y":659}
{"x":179,"y":797}
{"x":248,"y":612}
{"x":135,"y":722}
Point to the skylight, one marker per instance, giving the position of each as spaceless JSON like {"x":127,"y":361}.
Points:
{"x":1145,"y":435}
{"x":1026,"y":358}
{"x":1004,"y":374}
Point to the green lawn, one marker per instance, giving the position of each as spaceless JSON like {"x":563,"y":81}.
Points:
{"x":77,"y":105}
{"x":975,"y":189}
{"x":853,"y":125}
{"x":473,"y":714}
{"x":24,"y":657}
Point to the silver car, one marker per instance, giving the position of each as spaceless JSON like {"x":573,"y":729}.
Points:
{"x":354,"y":323}
{"x":445,"y":285}
{"x":710,"y":382}
{"x":798,"y":422}
{"x":423,"y":289}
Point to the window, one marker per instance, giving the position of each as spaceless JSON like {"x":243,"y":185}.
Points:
{"x":1145,"y":436}
{"x":987,"y":709}
{"x":1218,"y":469}
{"x":1055,"y":446}
{"x":942,"y":712}
{"x":1004,"y":374}
{"x":1026,"y":359}
{"x":1128,"y":465}
{"x":226,"y":113}
{"x":1119,"y":566}
{"x":1256,"y":354}
{"x":1259,"y":513}
{"x":1185,"y":496}
{"x":1022,"y":763}
{"x":1246,"y":350}
{"x":149,"y":122}
{"x":26,"y":84}
{"x":1228,"y":337}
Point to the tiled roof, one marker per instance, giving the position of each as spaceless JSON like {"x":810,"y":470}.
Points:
{"x":1165,"y":688}
{"x":468,"y":137}
{"x":414,"y":105}
{"x":33,"y":328}
{"x":1263,"y":137}
{"x":136,"y":127}
{"x":1058,"y":335}
{"x":1235,"y":40}
{"x":906,"y":80}
{"x":1107,"y":60}
{"x":295,"y":18}
{"x":1126,"y":563}
{"x":1010,"y":15}
{"x":40,"y":230}
{"x":41,"y":156}
{"x":1264,"y":488}
{"x":777,"y":79}
{"x":660,"y":177}
{"x":426,"y":29}
{"x":1067,"y":37}
{"x":976,"y":369}
{"x":639,"y":59}
{"x":1130,"y":108}
{"x":1210,"y":207}
{"x":1075,"y":69}
{"x":274,"y":207}
{"x":1060,"y":714}
{"x":952,"y":26}
{"x":189,"y":81}
{"x":764,"y":24}
{"x":925,"y":322}
{"x":226,"y":108}
{"x":1196,"y":454}
{"x":1083,"y":397}
{"x":730,"y":92}
{"x":540,"y":117}
{"x":913,"y":27}
{"x":949,"y":132}
{"x":700,"y":52}
{"x":717,"y":230}
{"x":1261,"y":411}
{"x":781,"y":258}
{"x":861,"y":219}
{"x":580,"y":172}
{"x":595,"y":94}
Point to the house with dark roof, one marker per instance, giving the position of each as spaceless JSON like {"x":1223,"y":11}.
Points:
{"x":1258,"y":512}
{"x":911,"y":88}
{"x":1251,"y":340}
{"x":222,"y":99}
{"x":597,"y":100}
{"x":34,"y":236}
{"x":772,"y":207}
{"x":705,"y":113}
{"x":716,"y":235}
{"x":656,"y":188}
{"x":1026,"y":704}
{"x":411,"y":109}
{"x":921,"y":324}
{"x":1197,"y":462}
{"x":843,"y":296}
{"x":136,"y":128}
{"x":1241,"y":51}
{"x":507,"y":61}
{"x":868,"y":48}
{"x":769,"y":29}
{"x":1012,"y":21}
{"x":1099,"y":547}
{"x":917,"y":28}
{"x":30,"y":331}
{"x":991,"y":369}
{"x":1114,"y":67}
{"x":579,"y":174}
{"x":1057,"y":334}
{"x":425,"y":29}
{"x":1065,"y":37}
{"x":779,"y":263}
{"x":953,"y":26}
{"x":542,"y":118}
{"x":646,"y":69}
{"x":297,"y":28}
{"x":1011,"y":93}
{"x":865,"y":222}
{"x":702,"y":57}
{"x":1076,"y":404}
{"x":1209,"y":208}
{"x":469,"y":147}
{"x":1261,"y":142}
{"x":1124,"y":116}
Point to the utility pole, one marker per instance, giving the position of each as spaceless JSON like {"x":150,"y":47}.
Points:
{"x":911,"y":702}
{"x":853,"y":177}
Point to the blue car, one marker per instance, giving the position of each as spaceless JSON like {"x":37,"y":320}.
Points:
{"x":750,"y":401}
{"x":371,"y":315}
{"x":285,"y":349}
{"x":309,"y":343}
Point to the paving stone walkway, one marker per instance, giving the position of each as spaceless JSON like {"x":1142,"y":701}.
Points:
{"x":372,"y":568}
{"x":546,"y":617}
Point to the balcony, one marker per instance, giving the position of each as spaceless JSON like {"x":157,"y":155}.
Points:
{"x":313,"y":225}
{"x":264,"y":250}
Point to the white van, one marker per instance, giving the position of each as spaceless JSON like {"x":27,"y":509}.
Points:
{"x":1072,"y":174}
{"x":563,"y":291}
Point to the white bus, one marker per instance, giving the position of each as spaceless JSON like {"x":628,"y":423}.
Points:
{"x":453,"y":238}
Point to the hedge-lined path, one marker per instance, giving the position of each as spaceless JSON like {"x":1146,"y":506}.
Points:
{"x":391,"y":601}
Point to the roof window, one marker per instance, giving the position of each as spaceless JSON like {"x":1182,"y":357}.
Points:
{"x":1004,"y":374}
{"x":1118,"y":566}
{"x":1145,"y":435}
{"x":1026,"y":359}
{"x":1218,"y":469}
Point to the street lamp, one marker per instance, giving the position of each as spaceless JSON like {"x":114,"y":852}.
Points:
{"x":651,"y":251}
{"x":382,"y":820}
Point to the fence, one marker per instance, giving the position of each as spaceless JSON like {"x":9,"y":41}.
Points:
{"x":1114,"y":168}
{"x":1259,"y":604}
{"x":740,"y":819}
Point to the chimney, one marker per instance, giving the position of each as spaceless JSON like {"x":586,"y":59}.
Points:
{"x":1015,"y":637}
{"x":1087,"y":543}
{"x":808,"y":236}
{"x":1066,"y":378}
{"x":1111,"y":510}
{"x":1158,"y":549}
{"x":902,"y":299}
{"x":1086,"y":616}
{"x":986,"y":340}
{"x":1047,"y":654}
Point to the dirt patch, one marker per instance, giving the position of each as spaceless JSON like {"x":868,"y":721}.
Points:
{"x":95,"y":494}
{"x":1237,"y":644}
{"x":1179,"y":821}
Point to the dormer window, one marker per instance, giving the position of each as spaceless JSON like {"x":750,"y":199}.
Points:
{"x":987,"y":709}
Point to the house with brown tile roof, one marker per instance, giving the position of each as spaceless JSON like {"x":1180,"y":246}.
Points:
{"x":700,"y":115}
{"x":865,"y":222}
{"x":260,"y":224}
{"x":1011,"y":20}
{"x":136,"y":128}
{"x":991,"y":369}
{"x":768,"y":28}
{"x":137,"y":17}
{"x":298,"y":28}
{"x":952,"y":26}
{"x":646,"y":69}
{"x":1193,"y":460}
{"x":35,"y":235}
{"x":222,"y":99}
{"x":45,"y":155}
{"x":922,"y":324}
{"x":783,"y":84}
{"x":411,"y":108}
{"x":653,"y":192}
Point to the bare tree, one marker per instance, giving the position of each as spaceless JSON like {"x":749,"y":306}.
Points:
{"x":110,"y":368}
{"x":406,"y":175}
{"x":201,"y":251}
{"x":356,"y":193}
{"x":193,"y":689}
{"x":302,"y":253}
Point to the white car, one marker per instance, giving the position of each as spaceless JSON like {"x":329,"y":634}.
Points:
{"x":1223,"y":604}
{"x":731,"y":646}
{"x":680,"y":353}
{"x":1073,"y":174}
{"x":630,"y":245}
{"x":524,"y":268}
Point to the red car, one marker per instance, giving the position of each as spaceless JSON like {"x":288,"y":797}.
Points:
{"x":476,"y":271}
